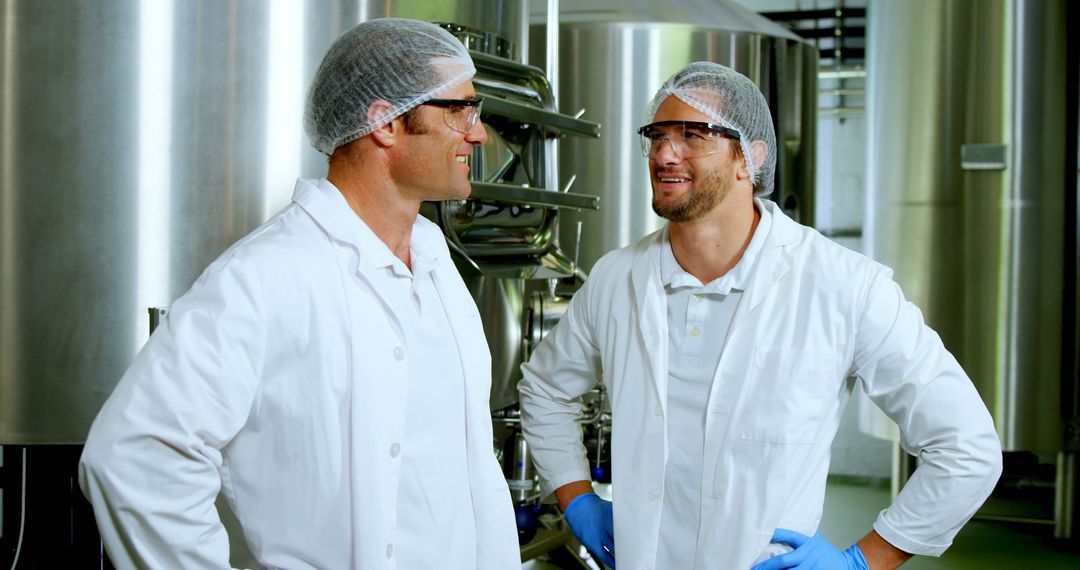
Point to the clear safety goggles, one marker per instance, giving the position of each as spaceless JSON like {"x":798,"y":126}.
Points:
{"x":688,"y":139}
{"x":461,"y":114}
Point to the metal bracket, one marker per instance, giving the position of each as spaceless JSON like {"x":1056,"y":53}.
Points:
{"x":536,"y":116}
{"x":533,"y":196}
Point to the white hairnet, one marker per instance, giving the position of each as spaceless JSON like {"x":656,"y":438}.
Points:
{"x":731,"y":100}
{"x":404,"y":62}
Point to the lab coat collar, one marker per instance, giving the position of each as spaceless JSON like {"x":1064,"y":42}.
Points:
{"x":772,"y":264}
{"x":325,"y":204}
{"x":673,"y":275}
{"x":328,"y":207}
{"x":785,"y":231}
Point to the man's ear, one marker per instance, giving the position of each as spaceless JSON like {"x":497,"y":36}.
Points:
{"x":385,"y":135}
{"x":759,"y":151}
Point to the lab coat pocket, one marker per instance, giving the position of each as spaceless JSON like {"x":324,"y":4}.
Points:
{"x":786,"y":398}
{"x":770,"y":549}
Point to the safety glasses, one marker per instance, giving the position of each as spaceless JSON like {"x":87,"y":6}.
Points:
{"x":689,"y":139}
{"x":461,"y":114}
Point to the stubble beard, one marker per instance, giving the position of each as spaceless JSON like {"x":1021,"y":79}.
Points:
{"x":700,"y":200}
{"x":415,"y":124}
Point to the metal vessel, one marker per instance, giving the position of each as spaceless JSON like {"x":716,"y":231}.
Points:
{"x":966,"y":191}
{"x":504,"y":237}
{"x":138,"y":140}
{"x":613,"y":58}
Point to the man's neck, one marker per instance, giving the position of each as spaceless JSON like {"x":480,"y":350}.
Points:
{"x":710,"y":247}
{"x":376,"y":201}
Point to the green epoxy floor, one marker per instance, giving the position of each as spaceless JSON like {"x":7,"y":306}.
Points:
{"x":850,"y":511}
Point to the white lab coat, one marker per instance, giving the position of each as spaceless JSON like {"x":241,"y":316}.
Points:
{"x":278,"y":379}
{"x":813,"y":314}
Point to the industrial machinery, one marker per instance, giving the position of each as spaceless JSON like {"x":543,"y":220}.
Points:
{"x":138,"y":140}
{"x":972,"y":201}
{"x":613,"y":58}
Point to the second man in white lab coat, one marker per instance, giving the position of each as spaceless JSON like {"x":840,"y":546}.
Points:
{"x":328,"y":373}
{"x":725,"y":342}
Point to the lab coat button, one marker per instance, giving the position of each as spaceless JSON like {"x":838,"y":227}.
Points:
{"x":654,"y":495}
{"x":395,"y":450}
{"x":697,"y":296}
{"x":390,"y":550}
{"x":399,"y":354}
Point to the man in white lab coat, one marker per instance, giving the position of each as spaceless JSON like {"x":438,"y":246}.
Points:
{"x":726,"y":342}
{"x":328,"y":373}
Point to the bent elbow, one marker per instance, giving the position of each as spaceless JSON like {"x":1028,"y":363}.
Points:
{"x":97,"y":462}
{"x":987,"y":457}
{"x":995,"y":458}
{"x":92,"y":465}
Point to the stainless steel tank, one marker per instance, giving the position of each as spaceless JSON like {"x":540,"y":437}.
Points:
{"x":138,"y":140}
{"x":966,"y":190}
{"x":613,"y":58}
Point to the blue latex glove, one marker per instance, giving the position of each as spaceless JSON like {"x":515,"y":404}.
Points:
{"x":812,"y":553}
{"x":591,"y":519}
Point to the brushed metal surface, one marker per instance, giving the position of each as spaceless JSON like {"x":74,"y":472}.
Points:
{"x":502,"y":306}
{"x":532,"y":196}
{"x":138,"y":140}
{"x":980,"y":251}
{"x":612,"y":62}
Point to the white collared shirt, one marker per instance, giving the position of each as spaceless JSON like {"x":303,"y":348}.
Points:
{"x":699,"y":317}
{"x":813,"y":314}
{"x":435,"y":506}
{"x":295,"y":377}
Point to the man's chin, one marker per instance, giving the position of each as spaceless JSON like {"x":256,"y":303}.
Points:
{"x":668,"y":208}
{"x":679,"y":212}
{"x":455,"y":193}
{"x":464,"y":192}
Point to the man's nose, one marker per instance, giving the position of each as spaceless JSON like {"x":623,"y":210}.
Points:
{"x":666,"y":153}
{"x":477,"y":134}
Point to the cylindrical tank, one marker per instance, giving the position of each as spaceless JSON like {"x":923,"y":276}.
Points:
{"x":519,"y":470}
{"x":966,"y":190}
{"x":613,"y":58}
{"x":502,"y":307}
{"x":138,"y":140}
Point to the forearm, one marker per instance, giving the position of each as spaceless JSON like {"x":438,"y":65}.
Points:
{"x":148,"y":517}
{"x":879,"y":554}
{"x":554,"y":436}
{"x":553,"y":381}
{"x":909,"y":375}
{"x":959,"y":467}
{"x":570,"y":491}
